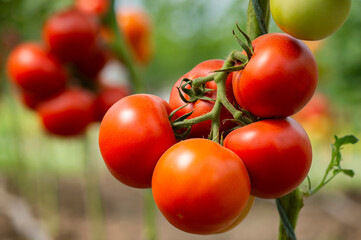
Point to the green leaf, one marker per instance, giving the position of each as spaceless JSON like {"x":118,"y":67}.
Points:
{"x":185,"y":116}
{"x":348,"y":139}
{"x":348,"y":172}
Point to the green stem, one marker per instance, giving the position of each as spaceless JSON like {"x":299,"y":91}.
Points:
{"x":258,"y":21}
{"x":150,"y":216}
{"x":93,"y":197}
{"x":120,"y":48}
{"x":289,"y":208}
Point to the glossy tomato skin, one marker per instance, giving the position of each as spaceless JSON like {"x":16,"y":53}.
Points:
{"x":280,"y":78}
{"x":309,"y":19}
{"x":36,"y":71}
{"x":67,"y":114}
{"x":71,"y":34}
{"x":97,"y":7}
{"x":277,"y":154}
{"x":133,"y":135}
{"x":136,"y":25}
{"x":106,"y":98}
{"x":200,"y":186}
{"x":201,"y":107}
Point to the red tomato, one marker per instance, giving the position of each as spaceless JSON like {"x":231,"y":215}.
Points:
{"x":97,"y":7}
{"x":133,"y":135}
{"x":200,"y":186}
{"x":277,"y":154}
{"x":93,"y":64}
{"x":106,"y":98}
{"x":280,"y":78}
{"x":35,"y":71}
{"x":67,"y":114}
{"x":135,"y":23}
{"x":32,"y":101}
{"x":71,"y":34}
{"x":202,"y":107}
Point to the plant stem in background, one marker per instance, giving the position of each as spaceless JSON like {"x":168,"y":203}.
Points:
{"x":120,"y":49}
{"x":93,"y":203}
{"x":258,"y":16}
{"x":150,"y":216}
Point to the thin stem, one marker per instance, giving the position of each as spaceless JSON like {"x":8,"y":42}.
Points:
{"x":120,"y":48}
{"x":93,"y":197}
{"x":150,"y":215}
{"x":192,"y":121}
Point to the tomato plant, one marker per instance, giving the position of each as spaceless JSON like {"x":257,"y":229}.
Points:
{"x":279,"y":79}
{"x":67,"y":114}
{"x":201,"y":107}
{"x":71,"y":34}
{"x":200,"y":186}
{"x":133,"y":135}
{"x":277,"y":154}
{"x":309,"y":19}
{"x":36,"y":71}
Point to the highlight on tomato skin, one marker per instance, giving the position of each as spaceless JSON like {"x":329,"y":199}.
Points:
{"x":279,"y":79}
{"x":67,"y":114}
{"x":277,"y":154}
{"x":97,"y":7}
{"x":133,"y":135}
{"x":200,"y":187}
{"x":34,"y":70}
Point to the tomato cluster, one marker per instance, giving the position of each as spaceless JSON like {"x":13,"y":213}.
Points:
{"x":199,"y":185}
{"x":64,"y":77}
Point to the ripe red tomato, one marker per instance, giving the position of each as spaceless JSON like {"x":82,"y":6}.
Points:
{"x":202,"y":107}
{"x":93,"y":64}
{"x":200,"y":186}
{"x":71,"y":34}
{"x":97,"y":7}
{"x":277,"y":154}
{"x":136,"y":25}
{"x":32,"y":101}
{"x":67,"y":114}
{"x":133,"y":135}
{"x":35,"y":71}
{"x":106,"y":98}
{"x":280,"y":78}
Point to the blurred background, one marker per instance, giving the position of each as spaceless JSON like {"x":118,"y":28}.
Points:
{"x":59,"y":188}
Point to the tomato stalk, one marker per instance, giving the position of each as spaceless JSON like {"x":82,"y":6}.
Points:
{"x":120,"y":49}
{"x":258,"y":16}
{"x":220,"y":77}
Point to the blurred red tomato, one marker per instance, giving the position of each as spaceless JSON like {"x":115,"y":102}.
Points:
{"x":135,"y":23}
{"x":93,"y":64}
{"x":106,"y":98}
{"x":71,"y":34}
{"x":35,"y":71}
{"x":317,"y":117}
{"x":97,"y":7}
{"x":67,"y":114}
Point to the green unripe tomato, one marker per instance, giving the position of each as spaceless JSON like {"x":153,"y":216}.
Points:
{"x":310,"y":19}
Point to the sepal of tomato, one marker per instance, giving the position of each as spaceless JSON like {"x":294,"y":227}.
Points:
{"x":133,"y":135}
{"x":279,"y":79}
{"x":200,"y":186}
{"x":201,"y":107}
{"x":276,"y":152}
